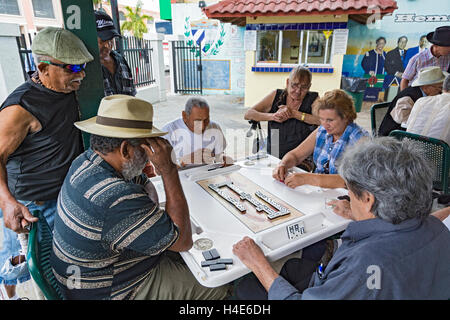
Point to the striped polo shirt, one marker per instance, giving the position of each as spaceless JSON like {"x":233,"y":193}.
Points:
{"x":108,"y":234}
{"x":422,"y":60}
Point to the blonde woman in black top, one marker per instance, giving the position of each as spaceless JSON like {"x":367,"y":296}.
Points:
{"x":288,"y":112}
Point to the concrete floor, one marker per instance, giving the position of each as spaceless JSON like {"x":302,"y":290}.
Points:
{"x":228,"y":111}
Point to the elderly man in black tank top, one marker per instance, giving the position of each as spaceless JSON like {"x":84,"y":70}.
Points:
{"x":39,"y":141}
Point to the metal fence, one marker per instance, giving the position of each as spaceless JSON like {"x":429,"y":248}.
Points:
{"x":187,"y":68}
{"x":26,"y":57}
{"x":138,"y":53}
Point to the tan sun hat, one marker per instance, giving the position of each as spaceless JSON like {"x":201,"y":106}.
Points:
{"x":122,"y":116}
{"x":429,"y":75}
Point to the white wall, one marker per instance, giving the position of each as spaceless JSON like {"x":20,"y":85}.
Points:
{"x":11,"y":75}
{"x":157,"y":91}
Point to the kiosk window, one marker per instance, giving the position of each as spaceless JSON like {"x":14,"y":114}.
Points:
{"x":294,"y":47}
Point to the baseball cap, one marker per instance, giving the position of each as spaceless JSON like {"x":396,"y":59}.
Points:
{"x":105,"y":26}
{"x":61,"y":44}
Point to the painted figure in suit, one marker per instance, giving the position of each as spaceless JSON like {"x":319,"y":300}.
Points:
{"x":373,"y":61}
{"x":411,"y":52}
{"x":394,"y":62}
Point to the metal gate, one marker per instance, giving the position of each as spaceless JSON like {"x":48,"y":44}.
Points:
{"x":187,"y":68}
{"x":26,"y":57}
{"x":138,"y":54}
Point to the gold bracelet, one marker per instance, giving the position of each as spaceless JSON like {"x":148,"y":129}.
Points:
{"x":303,"y":116}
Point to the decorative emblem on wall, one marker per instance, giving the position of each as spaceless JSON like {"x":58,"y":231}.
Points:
{"x":209,"y":34}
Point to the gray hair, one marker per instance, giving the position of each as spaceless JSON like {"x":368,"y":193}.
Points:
{"x":195,"y":102}
{"x":394,"y":172}
{"x":40,"y":57}
{"x":105,"y":145}
{"x":300,"y":73}
{"x":446,"y":84}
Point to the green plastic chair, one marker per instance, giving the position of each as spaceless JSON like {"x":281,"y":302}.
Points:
{"x":377,"y":113}
{"x":40,"y":242}
{"x":437,"y":152}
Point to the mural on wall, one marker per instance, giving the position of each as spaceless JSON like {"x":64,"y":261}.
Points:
{"x":222,"y":50}
{"x":381,"y":52}
{"x":209,"y":34}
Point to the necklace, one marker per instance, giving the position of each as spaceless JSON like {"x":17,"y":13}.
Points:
{"x":36,"y":79}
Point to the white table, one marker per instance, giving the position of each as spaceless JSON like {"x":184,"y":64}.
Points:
{"x":210,"y":219}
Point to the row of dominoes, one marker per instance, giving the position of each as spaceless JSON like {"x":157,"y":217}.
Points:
{"x":271,"y":214}
{"x":269,"y":200}
{"x":234,"y":202}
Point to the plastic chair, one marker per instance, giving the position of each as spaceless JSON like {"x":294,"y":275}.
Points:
{"x":437,"y":152}
{"x":377,"y":113}
{"x":40,"y":241}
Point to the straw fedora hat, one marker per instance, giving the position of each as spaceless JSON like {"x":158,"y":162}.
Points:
{"x":429,"y":75}
{"x":122,"y":116}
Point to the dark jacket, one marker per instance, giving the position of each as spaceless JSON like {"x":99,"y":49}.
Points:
{"x":381,"y":260}
{"x":394,"y":62}
{"x":373,"y":61}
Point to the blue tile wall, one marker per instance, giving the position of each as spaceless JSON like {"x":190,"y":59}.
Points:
{"x":297,"y":26}
{"x":288,"y":69}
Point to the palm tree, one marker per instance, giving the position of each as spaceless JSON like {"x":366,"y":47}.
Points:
{"x":97,"y":4}
{"x":135,"y":21}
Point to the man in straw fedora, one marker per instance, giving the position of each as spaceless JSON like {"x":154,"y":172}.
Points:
{"x":428,"y":83}
{"x":110,"y":227}
{"x":38,"y":142}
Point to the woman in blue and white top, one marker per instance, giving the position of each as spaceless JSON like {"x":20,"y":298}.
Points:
{"x":336,"y":112}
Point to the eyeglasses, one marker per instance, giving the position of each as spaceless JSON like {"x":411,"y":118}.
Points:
{"x":72,"y":67}
{"x":299,"y":86}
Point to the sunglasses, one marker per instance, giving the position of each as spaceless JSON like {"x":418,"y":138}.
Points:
{"x":72,"y":67}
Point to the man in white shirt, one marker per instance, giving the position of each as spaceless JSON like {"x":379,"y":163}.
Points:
{"x":194,"y":138}
{"x":430,"y":116}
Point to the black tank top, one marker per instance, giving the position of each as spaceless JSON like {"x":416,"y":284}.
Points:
{"x":37,"y":168}
{"x":292,"y":132}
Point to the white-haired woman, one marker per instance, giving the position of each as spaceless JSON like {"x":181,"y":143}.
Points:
{"x":393,"y":248}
